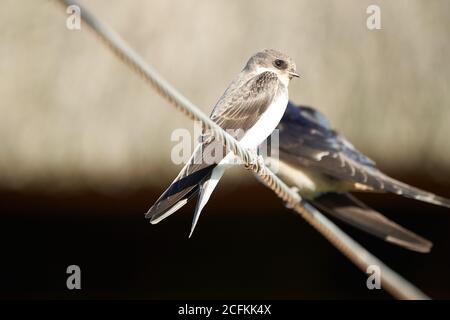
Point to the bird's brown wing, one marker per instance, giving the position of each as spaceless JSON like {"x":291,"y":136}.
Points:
{"x":241,"y":107}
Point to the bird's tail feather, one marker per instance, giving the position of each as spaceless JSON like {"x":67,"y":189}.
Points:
{"x":206,"y":188}
{"x":352,"y":211}
{"x":178,"y":194}
{"x":187,"y":184}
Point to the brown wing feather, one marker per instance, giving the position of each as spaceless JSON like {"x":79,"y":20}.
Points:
{"x":244,"y":106}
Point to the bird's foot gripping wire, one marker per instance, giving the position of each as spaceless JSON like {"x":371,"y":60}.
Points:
{"x":255,"y":162}
{"x":290,"y":205}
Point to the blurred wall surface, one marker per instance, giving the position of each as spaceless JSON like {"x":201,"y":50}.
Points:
{"x":72,"y":115}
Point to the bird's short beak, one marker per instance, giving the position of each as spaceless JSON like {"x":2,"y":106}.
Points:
{"x":294,"y":74}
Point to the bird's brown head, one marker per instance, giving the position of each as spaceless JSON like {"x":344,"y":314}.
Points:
{"x":274,"y":61}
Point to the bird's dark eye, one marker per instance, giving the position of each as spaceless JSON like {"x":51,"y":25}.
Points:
{"x":280,"y":64}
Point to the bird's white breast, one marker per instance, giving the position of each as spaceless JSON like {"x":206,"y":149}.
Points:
{"x":267,"y":122}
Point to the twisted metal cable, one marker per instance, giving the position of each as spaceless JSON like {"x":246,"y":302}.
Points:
{"x":391,"y":281}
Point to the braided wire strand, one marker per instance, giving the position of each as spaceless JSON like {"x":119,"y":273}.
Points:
{"x":391,"y":281}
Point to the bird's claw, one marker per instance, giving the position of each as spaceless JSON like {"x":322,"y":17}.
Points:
{"x":255,"y":159}
{"x":295,"y":190}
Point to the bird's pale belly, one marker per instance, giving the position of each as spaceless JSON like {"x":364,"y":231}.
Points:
{"x":266,"y":123}
{"x":309,"y":184}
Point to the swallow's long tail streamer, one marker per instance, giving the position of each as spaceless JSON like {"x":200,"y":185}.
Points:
{"x":352,"y":211}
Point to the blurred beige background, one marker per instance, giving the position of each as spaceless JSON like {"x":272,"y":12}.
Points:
{"x":72,"y":115}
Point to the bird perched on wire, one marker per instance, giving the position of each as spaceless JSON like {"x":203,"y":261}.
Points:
{"x":325,"y":167}
{"x":249,"y":110}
